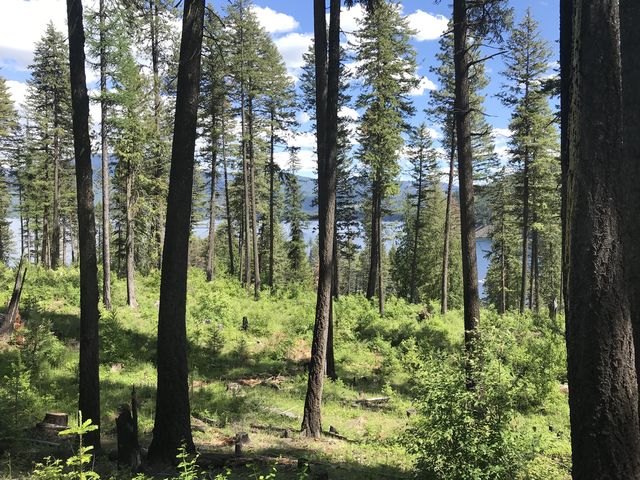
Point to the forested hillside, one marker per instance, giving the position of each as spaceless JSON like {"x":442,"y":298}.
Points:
{"x":230,"y":249}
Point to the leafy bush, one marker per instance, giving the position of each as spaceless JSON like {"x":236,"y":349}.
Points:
{"x":463,"y":434}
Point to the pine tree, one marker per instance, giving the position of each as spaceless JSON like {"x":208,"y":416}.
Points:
{"x":172,"y":424}
{"x":296,"y":218}
{"x":485,"y":19}
{"x":532,"y":126}
{"x":105,"y":35}
{"x":89,"y":374}
{"x":387,"y":66}
{"x":49,"y":104}
{"x":131,"y":132}
{"x":9,"y":129}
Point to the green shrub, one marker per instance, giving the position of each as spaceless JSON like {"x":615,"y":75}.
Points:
{"x":461,"y":434}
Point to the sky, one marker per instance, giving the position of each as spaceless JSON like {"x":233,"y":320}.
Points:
{"x":290,"y":23}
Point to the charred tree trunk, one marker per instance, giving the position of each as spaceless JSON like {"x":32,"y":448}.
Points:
{"x":603,"y":388}
{"x":628,"y":182}
{"x":444,"y":298}
{"x":172,"y":425}
{"x":566,"y":46}
{"x":89,"y":379}
{"x":106,"y":197}
{"x":327,"y":127}
{"x":462,"y":61}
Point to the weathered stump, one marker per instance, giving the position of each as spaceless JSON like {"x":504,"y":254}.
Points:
{"x":127,"y":433}
{"x":241,"y":439}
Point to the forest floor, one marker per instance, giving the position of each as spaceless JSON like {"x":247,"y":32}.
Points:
{"x":250,"y":381}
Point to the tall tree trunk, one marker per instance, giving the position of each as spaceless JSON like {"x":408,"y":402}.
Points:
{"x":272,"y":173}
{"x":89,"y":378}
{"x":603,"y":388}
{"x":55,"y":217}
{"x":45,"y":254}
{"x":130,"y":241}
{"x":374,"y":260}
{"x":416,"y":235}
{"x":254,"y":220}
{"x":331,"y":361}
{"x":106,"y":197}
{"x":172,"y":426}
{"x":503,"y":275}
{"x":157,"y":107}
{"x":566,"y":47}
{"x":525,"y":234}
{"x":326,"y":135}
{"x":444,"y":297}
{"x":212,"y":217}
{"x":534,"y":273}
{"x":246,"y":206}
{"x":462,"y":60}
{"x":381,"y":291}
{"x":629,"y":173}
{"x":227,"y":205}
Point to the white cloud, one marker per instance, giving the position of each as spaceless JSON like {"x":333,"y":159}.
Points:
{"x":350,"y":18}
{"x":22,"y":24}
{"x":427,"y":25}
{"x":308,"y":160}
{"x":302,"y":140}
{"x":425,"y":84}
{"x":18,"y":91}
{"x":350,"y":113}
{"x":274,"y":22}
{"x":501,"y":133}
{"x":302,"y":117}
{"x":292,"y":46}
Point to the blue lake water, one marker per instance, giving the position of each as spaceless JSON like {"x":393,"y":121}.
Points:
{"x":483,"y":245}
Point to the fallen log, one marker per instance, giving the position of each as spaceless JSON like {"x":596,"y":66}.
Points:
{"x":377,"y":402}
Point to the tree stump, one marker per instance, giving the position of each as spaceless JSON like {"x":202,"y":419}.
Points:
{"x":241,"y":439}
{"x":245,"y":324}
{"x":127,"y":433}
{"x":54,"y":421}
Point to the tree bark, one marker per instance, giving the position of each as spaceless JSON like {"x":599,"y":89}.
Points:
{"x":232,"y":269}
{"x":254,"y":220}
{"x":130,"y":240}
{"x":525,"y":235}
{"x":106,"y":197}
{"x":628,"y":182}
{"x":603,"y":388}
{"x":327,"y":126}
{"x":172,"y":425}
{"x":416,"y":236}
{"x":374,"y":261}
{"x":444,"y":298}
{"x":89,"y":378}
{"x":212,"y":206}
{"x":462,"y":60}
{"x":566,"y":46}
{"x":272,"y":173}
